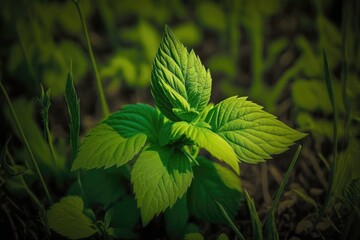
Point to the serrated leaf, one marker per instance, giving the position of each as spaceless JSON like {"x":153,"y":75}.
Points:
{"x":204,"y":138}
{"x":135,"y":119}
{"x":253,"y":133}
{"x":213,"y":183}
{"x":73,"y":105}
{"x":179,"y":80}
{"x":160,"y":176}
{"x":105,"y":147}
{"x":67,"y":218}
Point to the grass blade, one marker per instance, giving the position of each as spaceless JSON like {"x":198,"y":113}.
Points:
{"x":254,"y":218}
{"x":270,"y":226}
{"x":329,"y":85}
{"x":25,"y":141}
{"x":73,"y":104}
{"x":100,"y":89}
{"x":230,"y":222}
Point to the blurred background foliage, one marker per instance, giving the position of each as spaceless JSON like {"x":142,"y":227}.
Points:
{"x":269,"y":50}
{"x":252,"y":48}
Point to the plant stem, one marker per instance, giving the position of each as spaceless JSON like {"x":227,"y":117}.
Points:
{"x":230,"y":222}
{"x":104,"y":106}
{"x":285,"y":179}
{"x":25,"y":141}
{"x":329,"y":84}
{"x":49,"y":138}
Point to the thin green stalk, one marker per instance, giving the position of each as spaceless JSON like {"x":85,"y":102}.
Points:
{"x":285,"y":180}
{"x":45,"y":103}
{"x":82,"y":191}
{"x":26,"y":187}
{"x":230,"y":222}
{"x":25,"y":141}
{"x":329,"y":84}
{"x":49,"y":138}
{"x":104,"y":106}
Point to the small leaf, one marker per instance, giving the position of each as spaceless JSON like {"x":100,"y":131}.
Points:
{"x":67,"y":218}
{"x":205,"y":138}
{"x":137,"y":118}
{"x":194,"y":236}
{"x":179,"y":80}
{"x":213,"y":183}
{"x":73,"y":104}
{"x":222,"y":236}
{"x":104,"y":147}
{"x":253,"y":133}
{"x":160,"y":176}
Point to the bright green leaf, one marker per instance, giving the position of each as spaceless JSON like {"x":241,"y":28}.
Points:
{"x":179,"y":80}
{"x":205,"y":138}
{"x":213,"y":183}
{"x":105,"y":147}
{"x":67,"y":218}
{"x":160,"y":176}
{"x":253,"y":133}
{"x":136,"y":119}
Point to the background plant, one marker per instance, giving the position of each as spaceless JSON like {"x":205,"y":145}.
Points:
{"x":293,"y":35}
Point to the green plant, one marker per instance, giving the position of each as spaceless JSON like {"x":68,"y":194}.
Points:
{"x":168,"y":175}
